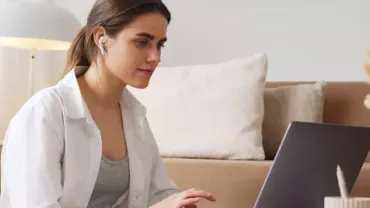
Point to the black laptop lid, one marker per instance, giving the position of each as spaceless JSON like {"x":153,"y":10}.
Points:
{"x":304,"y":170}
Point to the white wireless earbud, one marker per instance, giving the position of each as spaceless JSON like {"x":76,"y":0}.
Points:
{"x":101,"y":44}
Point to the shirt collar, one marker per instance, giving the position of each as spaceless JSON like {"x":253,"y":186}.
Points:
{"x":75,"y":105}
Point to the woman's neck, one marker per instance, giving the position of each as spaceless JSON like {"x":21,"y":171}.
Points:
{"x":102,"y":87}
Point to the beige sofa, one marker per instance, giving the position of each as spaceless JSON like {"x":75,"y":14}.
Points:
{"x":236,"y":184}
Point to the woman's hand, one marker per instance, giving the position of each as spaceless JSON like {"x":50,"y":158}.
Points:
{"x":185,"y":199}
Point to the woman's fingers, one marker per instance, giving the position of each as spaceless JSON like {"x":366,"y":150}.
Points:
{"x":185,"y":199}
{"x":187,"y":202}
{"x":193,"y":193}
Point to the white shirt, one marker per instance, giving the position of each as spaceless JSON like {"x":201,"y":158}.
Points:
{"x":52,"y":152}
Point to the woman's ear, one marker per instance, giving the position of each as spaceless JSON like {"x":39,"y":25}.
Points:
{"x":100,"y":39}
{"x":102,"y":45}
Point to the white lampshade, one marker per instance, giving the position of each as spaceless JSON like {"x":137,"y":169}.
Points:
{"x":36,"y":26}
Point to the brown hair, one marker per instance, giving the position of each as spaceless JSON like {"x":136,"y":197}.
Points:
{"x":113,"y":15}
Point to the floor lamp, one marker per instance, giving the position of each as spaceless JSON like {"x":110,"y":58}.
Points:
{"x":36,"y":26}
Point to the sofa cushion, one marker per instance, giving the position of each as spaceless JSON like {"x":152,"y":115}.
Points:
{"x":302,"y":102}
{"x":235,"y":184}
{"x":208,"y":111}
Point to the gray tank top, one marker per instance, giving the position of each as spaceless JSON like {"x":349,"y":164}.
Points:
{"x":112,"y":183}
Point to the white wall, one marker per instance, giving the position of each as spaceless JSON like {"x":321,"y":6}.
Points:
{"x":305,"y":39}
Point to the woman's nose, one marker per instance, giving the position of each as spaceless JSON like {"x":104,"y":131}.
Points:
{"x":154,"y":56}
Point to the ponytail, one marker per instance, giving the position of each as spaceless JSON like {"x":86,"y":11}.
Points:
{"x":76,"y":55}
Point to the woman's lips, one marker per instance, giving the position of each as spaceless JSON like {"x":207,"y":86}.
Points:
{"x":147,"y":71}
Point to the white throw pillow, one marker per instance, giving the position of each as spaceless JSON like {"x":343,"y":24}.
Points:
{"x":208,"y":111}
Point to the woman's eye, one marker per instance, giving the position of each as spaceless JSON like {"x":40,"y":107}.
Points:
{"x":143,"y":42}
{"x":160,"y":45}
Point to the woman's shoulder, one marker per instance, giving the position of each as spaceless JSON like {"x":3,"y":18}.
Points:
{"x":39,"y":117}
{"x":45,"y":102}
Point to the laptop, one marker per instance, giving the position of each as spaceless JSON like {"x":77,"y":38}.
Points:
{"x":304,"y":170}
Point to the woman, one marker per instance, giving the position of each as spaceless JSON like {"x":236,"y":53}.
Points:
{"x":85,"y":142}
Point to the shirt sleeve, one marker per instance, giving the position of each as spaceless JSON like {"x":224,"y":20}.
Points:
{"x":161,"y":186}
{"x":31,"y":158}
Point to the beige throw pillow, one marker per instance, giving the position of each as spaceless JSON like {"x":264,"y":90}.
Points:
{"x":208,"y":110}
{"x":284,"y":104}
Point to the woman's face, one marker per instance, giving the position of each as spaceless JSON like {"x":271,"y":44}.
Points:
{"x":135,"y":52}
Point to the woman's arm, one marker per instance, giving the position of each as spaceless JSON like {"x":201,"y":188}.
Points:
{"x":161,"y":185}
{"x":31,"y":167}
{"x":163,"y":191}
